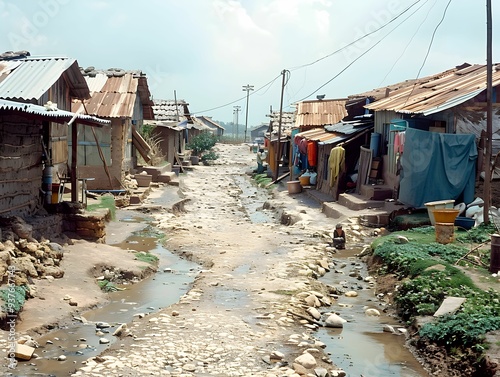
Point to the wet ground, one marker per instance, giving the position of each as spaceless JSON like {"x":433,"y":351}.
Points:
{"x":235,"y":313}
{"x":362,"y":347}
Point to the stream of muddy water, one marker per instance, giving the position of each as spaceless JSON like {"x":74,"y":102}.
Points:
{"x":79,"y":340}
{"x":361,"y":348}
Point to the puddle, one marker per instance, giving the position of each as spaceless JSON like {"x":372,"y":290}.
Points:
{"x":78,"y":341}
{"x":361,"y":347}
{"x":230,"y":298}
{"x":253,"y":199}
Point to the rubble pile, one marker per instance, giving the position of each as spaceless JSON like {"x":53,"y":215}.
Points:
{"x":23,"y":258}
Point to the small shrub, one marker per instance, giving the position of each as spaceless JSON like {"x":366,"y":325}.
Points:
{"x":13,"y":298}
{"x":202,"y":142}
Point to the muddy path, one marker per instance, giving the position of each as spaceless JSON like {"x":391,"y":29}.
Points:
{"x":236,"y":318}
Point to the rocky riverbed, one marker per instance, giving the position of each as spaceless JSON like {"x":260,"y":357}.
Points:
{"x":256,"y":304}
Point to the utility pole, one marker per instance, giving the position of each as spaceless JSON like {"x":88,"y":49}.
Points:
{"x":236,"y":110}
{"x":247,"y":88}
{"x":278,"y":148}
{"x":489,"y":120}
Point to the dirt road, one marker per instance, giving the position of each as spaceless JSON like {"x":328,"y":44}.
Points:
{"x":235,"y":321}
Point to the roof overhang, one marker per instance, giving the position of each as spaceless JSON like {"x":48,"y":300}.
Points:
{"x":56,"y":115}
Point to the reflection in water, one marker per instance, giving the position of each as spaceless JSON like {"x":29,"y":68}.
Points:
{"x":79,"y":341}
{"x":361,"y":347}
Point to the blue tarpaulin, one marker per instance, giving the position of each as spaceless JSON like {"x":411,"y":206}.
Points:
{"x":437,"y":166}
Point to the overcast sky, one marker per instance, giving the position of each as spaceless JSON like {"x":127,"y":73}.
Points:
{"x":207,"y":50}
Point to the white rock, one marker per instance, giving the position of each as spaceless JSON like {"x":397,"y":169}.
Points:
{"x":314,"y":313}
{"x":306,"y":360}
{"x":335,"y":321}
{"x":103,"y":341}
{"x":372,"y":312}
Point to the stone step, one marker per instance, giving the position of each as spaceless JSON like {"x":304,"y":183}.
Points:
{"x":167,"y":177}
{"x":376,"y":192}
{"x":358,"y":202}
{"x":155,"y":171}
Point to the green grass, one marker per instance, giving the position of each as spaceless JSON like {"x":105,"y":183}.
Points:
{"x":106,"y":201}
{"x":423,"y":288}
{"x":146,"y":257}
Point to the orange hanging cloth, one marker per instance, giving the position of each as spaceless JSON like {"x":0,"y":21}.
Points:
{"x":312,"y":153}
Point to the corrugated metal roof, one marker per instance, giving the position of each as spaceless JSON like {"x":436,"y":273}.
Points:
{"x":115,"y":96}
{"x":58,"y":116}
{"x":29,"y":78}
{"x":337,"y":133}
{"x":320,"y":112}
{"x":350,"y":127}
{"x":171,"y":125}
{"x":437,"y":93}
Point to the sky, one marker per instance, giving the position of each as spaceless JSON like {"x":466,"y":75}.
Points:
{"x":206,"y":51}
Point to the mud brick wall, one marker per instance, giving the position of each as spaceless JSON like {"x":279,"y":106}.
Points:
{"x":20,"y":166}
{"x":46,"y":226}
{"x":91,"y":227}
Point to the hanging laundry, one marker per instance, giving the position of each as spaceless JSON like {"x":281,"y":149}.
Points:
{"x":399,"y":142}
{"x":312,"y":153}
{"x":303,"y":146}
{"x":336,"y":163}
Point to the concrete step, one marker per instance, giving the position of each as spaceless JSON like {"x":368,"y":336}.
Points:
{"x":155,"y":171}
{"x":376,"y":192}
{"x":358,"y":202}
{"x":167,"y":177}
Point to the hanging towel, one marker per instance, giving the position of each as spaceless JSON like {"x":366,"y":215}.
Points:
{"x":336,"y":163}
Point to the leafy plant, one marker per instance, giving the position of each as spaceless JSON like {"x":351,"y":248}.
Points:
{"x":202,"y":142}
{"x":146,"y":257}
{"x":108,"y":286}
{"x":209,"y":156}
{"x":13,"y":298}
{"x":478,"y":234}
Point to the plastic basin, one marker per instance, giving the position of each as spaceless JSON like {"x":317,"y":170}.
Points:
{"x":431,"y":206}
{"x":465,"y":222}
{"x":446,"y":215}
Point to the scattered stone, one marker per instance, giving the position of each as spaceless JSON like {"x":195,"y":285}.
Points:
{"x":103,"y":341}
{"x":372,"y":312}
{"x":276,"y":355}
{"x":314,"y":313}
{"x":334,"y":320}
{"x":402,"y":239}
{"x":306,"y":360}
{"x":189,"y":367}
{"x":61,"y":358}
{"x":24,"y":352}
{"x":351,"y":294}
{"x":120,"y":330}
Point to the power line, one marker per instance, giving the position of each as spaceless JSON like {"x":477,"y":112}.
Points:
{"x":357,"y":40}
{"x":429,"y":49}
{"x":432,"y":38}
{"x":411,"y":39}
{"x":314,"y":62}
{"x":238,"y":100}
{"x":360,"y":56}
